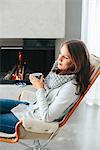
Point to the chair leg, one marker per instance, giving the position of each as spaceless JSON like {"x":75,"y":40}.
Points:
{"x":36,"y":146}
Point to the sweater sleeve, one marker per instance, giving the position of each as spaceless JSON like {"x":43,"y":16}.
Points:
{"x":62,"y":101}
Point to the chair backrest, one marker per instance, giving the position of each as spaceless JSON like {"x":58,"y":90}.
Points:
{"x":95,"y":72}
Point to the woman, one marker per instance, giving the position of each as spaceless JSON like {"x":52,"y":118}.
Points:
{"x":67,"y":79}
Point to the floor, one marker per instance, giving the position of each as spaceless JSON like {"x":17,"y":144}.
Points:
{"x":82,"y":132}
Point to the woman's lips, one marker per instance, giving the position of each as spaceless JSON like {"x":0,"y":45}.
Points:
{"x":59,"y":63}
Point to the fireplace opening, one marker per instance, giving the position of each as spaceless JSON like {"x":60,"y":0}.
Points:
{"x":18,"y":62}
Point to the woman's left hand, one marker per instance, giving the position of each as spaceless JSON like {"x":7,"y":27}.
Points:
{"x":37,"y":83}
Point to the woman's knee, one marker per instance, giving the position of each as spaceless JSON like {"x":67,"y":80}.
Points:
{"x":8,"y":122}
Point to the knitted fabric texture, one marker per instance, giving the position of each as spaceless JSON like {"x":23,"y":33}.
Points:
{"x":54,"y":80}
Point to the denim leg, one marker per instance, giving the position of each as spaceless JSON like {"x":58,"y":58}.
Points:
{"x":7,"y":123}
{"x":6,"y":105}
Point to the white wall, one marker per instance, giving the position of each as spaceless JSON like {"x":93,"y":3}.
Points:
{"x":32,"y":18}
{"x":63,"y":19}
{"x":73,"y":20}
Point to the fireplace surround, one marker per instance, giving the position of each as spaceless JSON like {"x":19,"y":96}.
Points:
{"x":36,"y":55}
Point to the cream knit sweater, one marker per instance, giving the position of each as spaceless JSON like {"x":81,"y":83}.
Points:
{"x":48,"y":107}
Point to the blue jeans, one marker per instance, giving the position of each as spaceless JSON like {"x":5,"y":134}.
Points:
{"x":7,"y":119}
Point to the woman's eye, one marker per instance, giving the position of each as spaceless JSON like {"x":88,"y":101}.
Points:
{"x":66,"y":57}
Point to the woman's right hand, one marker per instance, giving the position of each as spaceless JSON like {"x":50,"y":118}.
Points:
{"x":37,"y":83}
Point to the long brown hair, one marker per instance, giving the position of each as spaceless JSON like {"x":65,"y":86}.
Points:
{"x":81,"y":63}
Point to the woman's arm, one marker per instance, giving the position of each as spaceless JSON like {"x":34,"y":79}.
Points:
{"x":62,"y":101}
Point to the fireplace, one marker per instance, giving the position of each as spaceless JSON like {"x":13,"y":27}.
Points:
{"x":17,"y":62}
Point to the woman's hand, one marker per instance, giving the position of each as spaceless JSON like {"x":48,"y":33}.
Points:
{"x":37,"y":83}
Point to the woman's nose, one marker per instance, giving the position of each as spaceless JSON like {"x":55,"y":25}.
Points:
{"x":60,"y":57}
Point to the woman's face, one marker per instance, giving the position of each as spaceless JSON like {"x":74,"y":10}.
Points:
{"x":64,"y":59}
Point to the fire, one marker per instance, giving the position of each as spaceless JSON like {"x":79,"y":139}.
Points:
{"x":19,"y":72}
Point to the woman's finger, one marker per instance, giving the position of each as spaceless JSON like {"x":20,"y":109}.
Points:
{"x":42,"y":78}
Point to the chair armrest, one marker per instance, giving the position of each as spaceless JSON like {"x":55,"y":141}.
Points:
{"x":39,"y":126}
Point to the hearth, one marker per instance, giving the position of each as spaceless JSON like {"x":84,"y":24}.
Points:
{"x":36,"y":55}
